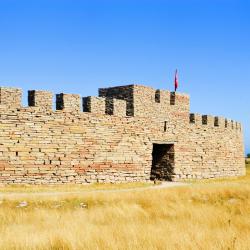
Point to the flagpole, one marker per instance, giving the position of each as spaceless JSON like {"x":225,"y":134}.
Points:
{"x":176,"y":80}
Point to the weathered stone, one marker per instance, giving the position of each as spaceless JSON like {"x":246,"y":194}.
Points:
{"x":112,"y":140}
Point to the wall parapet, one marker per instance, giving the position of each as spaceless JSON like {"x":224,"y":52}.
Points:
{"x":129,"y":100}
{"x":214,"y":121}
{"x":111,"y":138}
{"x":114,"y":106}
{"x":10,"y":96}
{"x":41,"y":99}
{"x":93,"y":104}
{"x":143,"y":101}
{"x":68,"y":102}
{"x":122,"y":101}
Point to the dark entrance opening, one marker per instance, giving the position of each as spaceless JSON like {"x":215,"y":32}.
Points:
{"x":163,"y":162}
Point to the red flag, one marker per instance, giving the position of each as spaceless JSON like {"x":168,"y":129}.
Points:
{"x":176,"y":84}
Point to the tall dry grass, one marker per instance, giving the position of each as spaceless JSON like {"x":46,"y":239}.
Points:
{"x":27,"y":188}
{"x":212,"y":215}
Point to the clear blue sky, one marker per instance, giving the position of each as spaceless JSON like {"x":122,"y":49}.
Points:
{"x":78,"y":46}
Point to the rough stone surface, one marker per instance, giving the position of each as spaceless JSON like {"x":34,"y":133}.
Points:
{"x":10,"y":96}
{"x":40,"y":99}
{"x":94,"y":104}
{"x":68,"y":102}
{"x":112,"y":139}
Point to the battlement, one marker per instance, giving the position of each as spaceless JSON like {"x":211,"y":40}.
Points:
{"x":122,"y":101}
{"x":145,"y":101}
{"x":42,"y":99}
{"x":93,"y":104}
{"x":101,"y":105}
{"x":68,"y":102}
{"x":130,"y":100}
{"x":10,"y":96}
{"x":128,"y":133}
{"x":214,"y":121}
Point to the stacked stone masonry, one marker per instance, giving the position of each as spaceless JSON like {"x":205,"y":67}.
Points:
{"x":111,"y":138}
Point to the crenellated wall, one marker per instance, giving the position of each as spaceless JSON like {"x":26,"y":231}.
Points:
{"x":216,"y":147}
{"x":110,"y":138}
{"x":10,"y":96}
{"x":144,"y":101}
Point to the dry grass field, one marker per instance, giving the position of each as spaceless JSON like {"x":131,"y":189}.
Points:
{"x":203,"y":215}
{"x":69,"y":187}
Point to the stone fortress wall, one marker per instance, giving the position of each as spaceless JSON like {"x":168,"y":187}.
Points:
{"x":128,"y":133}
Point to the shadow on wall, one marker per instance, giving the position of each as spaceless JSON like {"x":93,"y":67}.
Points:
{"x":163,"y":162}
